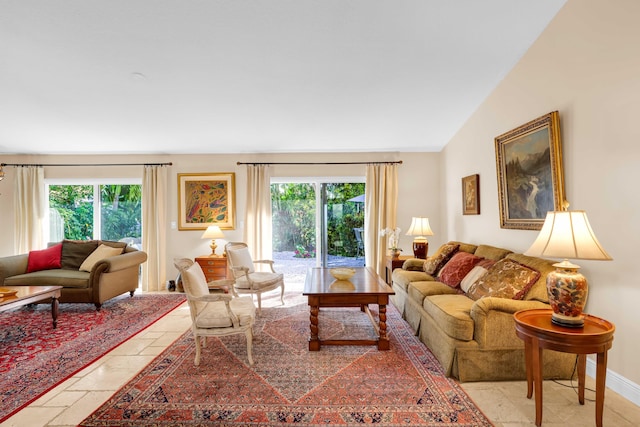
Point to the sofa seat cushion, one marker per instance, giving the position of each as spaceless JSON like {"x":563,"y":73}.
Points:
{"x":56,"y":277}
{"x":452,"y":314}
{"x":402,"y":277}
{"x":418,"y":291}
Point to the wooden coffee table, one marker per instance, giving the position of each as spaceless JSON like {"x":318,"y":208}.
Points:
{"x":31,"y":294}
{"x":364,"y":288}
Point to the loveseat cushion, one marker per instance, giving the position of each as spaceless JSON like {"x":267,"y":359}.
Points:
{"x":452,"y":314}
{"x":103,"y":251}
{"x":505,"y":279}
{"x":434,"y":263}
{"x":403,"y":277}
{"x":538,"y":291}
{"x":57,"y":277}
{"x":74,"y":252}
{"x":457,"y":268}
{"x":418,"y":291}
{"x":45,"y":259}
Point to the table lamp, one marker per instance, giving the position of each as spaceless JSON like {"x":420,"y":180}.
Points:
{"x":567,"y":234}
{"x":213,"y":232}
{"x":420,"y":228}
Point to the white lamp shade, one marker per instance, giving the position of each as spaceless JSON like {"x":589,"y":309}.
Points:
{"x":419,"y":227}
{"x":212,"y":232}
{"x":567,"y":234}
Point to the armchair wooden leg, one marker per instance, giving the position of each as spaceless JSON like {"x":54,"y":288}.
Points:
{"x":249,"y":334}
{"x":282,"y":294}
{"x":198,"y":350}
{"x":259,"y":303}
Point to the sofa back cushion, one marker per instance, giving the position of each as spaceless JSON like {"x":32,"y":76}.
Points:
{"x":491,"y":252}
{"x":465,"y":247}
{"x":74,"y":252}
{"x":102,"y":252}
{"x":434,"y":263}
{"x":505,"y":279}
{"x":45,"y":259}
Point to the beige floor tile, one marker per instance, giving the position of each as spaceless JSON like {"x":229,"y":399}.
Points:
{"x":73,"y":415}
{"x":33,"y":416}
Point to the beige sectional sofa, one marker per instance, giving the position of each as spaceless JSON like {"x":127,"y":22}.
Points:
{"x":91,"y":271}
{"x":472,"y":331}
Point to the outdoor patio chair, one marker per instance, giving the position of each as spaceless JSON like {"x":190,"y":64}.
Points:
{"x":215,"y":314}
{"x":247,"y":279}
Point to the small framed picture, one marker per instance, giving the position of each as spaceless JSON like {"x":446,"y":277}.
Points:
{"x":471,"y":195}
{"x":206,"y":199}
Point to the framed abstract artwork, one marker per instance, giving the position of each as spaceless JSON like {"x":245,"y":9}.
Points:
{"x":206,"y":199}
{"x":530,"y":173}
{"x":471,"y":195}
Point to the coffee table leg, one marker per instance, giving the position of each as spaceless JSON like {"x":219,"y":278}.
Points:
{"x":383,"y":339}
{"x":314,"y":341}
{"x":54,"y":311}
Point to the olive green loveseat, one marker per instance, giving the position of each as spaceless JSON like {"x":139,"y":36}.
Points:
{"x":472,"y":332}
{"x":89,"y":271}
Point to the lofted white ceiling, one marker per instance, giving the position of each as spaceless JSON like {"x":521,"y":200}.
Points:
{"x":252,"y":76}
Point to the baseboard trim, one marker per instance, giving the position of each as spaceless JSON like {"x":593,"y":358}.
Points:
{"x":616,"y":382}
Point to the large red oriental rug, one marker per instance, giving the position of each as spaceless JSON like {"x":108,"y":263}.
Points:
{"x":288,"y":385}
{"x":34,"y":357}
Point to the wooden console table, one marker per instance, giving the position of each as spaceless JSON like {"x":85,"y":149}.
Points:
{"x":537,"y":331}
{"x":213,"y":267}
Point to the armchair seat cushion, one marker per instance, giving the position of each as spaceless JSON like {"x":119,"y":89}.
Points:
{"x":214,"y":314}
{"x":261,"y":279}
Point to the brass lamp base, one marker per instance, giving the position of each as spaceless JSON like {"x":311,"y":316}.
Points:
{"x":213,"y":247}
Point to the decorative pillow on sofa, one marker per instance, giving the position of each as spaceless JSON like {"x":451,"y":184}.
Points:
{"x":45,"y":259}
{"x":476,"y":273}
{"x":102,"y":252}
{"x":457,"y":268}
{"x":433,"y":263}
{"x":506,"y":279}
{"x":74,"y":252}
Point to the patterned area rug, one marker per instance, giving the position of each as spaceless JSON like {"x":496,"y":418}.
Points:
{"x":288,"y":385}
{"x":34,"y":357}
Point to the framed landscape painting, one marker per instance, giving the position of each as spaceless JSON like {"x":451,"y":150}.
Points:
{"x":530,"y":174}
{"x":206,"y":199}
{"x":471,"y":195}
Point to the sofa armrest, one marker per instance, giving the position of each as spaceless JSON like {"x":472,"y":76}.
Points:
{"x":120,"y":262}
{"x":12,"y":266}
{"x":413,"y":264}
{"x":494,"y":326}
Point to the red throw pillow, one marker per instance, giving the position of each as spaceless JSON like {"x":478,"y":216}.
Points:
{"x":45,"y":259}
{"x":458,"y":266}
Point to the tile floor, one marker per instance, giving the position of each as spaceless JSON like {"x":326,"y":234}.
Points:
{"x":505,"y":403}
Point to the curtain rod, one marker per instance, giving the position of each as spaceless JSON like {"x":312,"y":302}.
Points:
{"x":86,"y":164}
{"x":398,"y":162}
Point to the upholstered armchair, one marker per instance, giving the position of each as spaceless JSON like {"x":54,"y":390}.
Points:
{"x":247,"y":279}
{"x":215,"y":314}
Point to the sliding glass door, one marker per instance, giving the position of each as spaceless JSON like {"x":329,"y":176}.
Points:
{"x":318,"y":221}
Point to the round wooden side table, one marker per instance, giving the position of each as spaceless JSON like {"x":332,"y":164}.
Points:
{"x":534,"y":327}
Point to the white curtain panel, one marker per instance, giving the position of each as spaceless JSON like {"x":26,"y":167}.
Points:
{"x":257,"y":224}
{"x":29,"y":209}
{"x":154,"y":220}
{"x":381,"y":201}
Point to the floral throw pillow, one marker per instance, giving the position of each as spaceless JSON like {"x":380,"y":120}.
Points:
{"x":457,"y":268}
{"x":506,"y":279}
{"x":476,"y":273}
{"x":433,"y":263}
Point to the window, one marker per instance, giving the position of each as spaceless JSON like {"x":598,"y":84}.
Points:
{"x":107,"y":211}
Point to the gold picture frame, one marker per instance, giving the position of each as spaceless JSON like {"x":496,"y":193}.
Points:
{"x":471,"y":195}
{"x":206,"y":199}
{"x":530,"y":173}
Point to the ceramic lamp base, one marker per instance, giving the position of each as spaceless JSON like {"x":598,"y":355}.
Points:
{"x":567,"y":290}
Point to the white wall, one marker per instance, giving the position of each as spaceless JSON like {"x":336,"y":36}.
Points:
{"x":586,"y":65}
{"x":419,"y":188}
